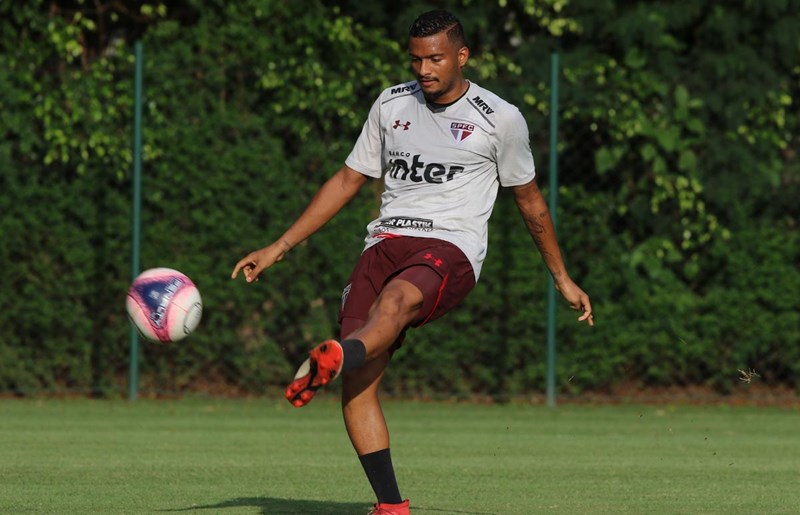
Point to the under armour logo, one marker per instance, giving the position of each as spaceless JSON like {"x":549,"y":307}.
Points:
{"x":397,"y":125}
{"x":436,"y":262}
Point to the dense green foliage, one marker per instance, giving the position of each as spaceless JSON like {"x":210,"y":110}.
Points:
{"x":677,"y":210}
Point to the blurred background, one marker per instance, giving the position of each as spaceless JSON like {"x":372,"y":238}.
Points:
{"x":677,"y":211}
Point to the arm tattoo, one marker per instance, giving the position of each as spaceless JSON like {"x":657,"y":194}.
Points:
{"x":539,"y":223}
{"x":538,"y":229}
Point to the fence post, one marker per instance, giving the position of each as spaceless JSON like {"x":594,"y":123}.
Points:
{"x":133,"y":380}
{"x":552,"y":201}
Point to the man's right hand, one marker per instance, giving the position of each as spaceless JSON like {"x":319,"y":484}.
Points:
{"x":259,"y":260}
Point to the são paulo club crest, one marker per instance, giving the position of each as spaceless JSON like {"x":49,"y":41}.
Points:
{"x":461,"y":131}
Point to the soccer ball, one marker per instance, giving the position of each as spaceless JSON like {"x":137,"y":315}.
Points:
{"x":164,"y":305}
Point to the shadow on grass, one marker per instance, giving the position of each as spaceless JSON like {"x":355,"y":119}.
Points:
{"x":273,"y":506}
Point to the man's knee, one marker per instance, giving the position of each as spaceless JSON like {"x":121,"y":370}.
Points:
{"x":399,"y":299}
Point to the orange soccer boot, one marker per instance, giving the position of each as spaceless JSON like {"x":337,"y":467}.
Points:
{"x":390,"y":509}
{"x":322,"y":366}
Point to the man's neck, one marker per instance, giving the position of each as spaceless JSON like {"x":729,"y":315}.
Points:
{"x":462,"y":90}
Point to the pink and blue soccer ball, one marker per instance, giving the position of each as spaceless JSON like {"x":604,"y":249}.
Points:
{"x":164,"y":305}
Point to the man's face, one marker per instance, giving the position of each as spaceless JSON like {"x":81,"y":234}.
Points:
{"x":437,"y":63}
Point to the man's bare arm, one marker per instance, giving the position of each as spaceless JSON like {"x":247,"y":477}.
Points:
{"x":536,"y":215}
{"x":329,"y":200}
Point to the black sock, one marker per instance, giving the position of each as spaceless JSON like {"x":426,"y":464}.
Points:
{"x":355,"y":354}
{"x":379,"y":470}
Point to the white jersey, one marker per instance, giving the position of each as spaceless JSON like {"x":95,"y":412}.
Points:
{"x":442,"y":165}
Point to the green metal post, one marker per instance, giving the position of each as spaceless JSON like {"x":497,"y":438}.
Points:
{"x":133,"y":380}
{"x":552,"y":201}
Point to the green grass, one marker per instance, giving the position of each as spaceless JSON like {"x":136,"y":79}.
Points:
{"x":263,"y":457}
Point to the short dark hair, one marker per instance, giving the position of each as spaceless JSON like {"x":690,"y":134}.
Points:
{"x":436,"y":21}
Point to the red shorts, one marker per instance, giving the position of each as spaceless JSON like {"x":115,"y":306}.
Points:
{"x":445,"y":279}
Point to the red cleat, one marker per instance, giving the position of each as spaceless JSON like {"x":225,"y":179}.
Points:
{"x":322,"y":366}
{"x":390,"y":509}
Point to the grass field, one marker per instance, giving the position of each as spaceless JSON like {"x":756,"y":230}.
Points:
{"x":265,"y":457}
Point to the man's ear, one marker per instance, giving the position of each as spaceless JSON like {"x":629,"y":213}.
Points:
{"x":463,"y":56}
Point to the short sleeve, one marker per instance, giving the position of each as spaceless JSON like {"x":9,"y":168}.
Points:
{"x":514,"y":158}
{"x":367,"y":154}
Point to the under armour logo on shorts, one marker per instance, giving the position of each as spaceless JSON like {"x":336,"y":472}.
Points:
{"x":436,"y":262}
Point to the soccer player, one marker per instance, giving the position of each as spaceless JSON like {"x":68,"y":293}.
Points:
{"x":442,"y":145}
